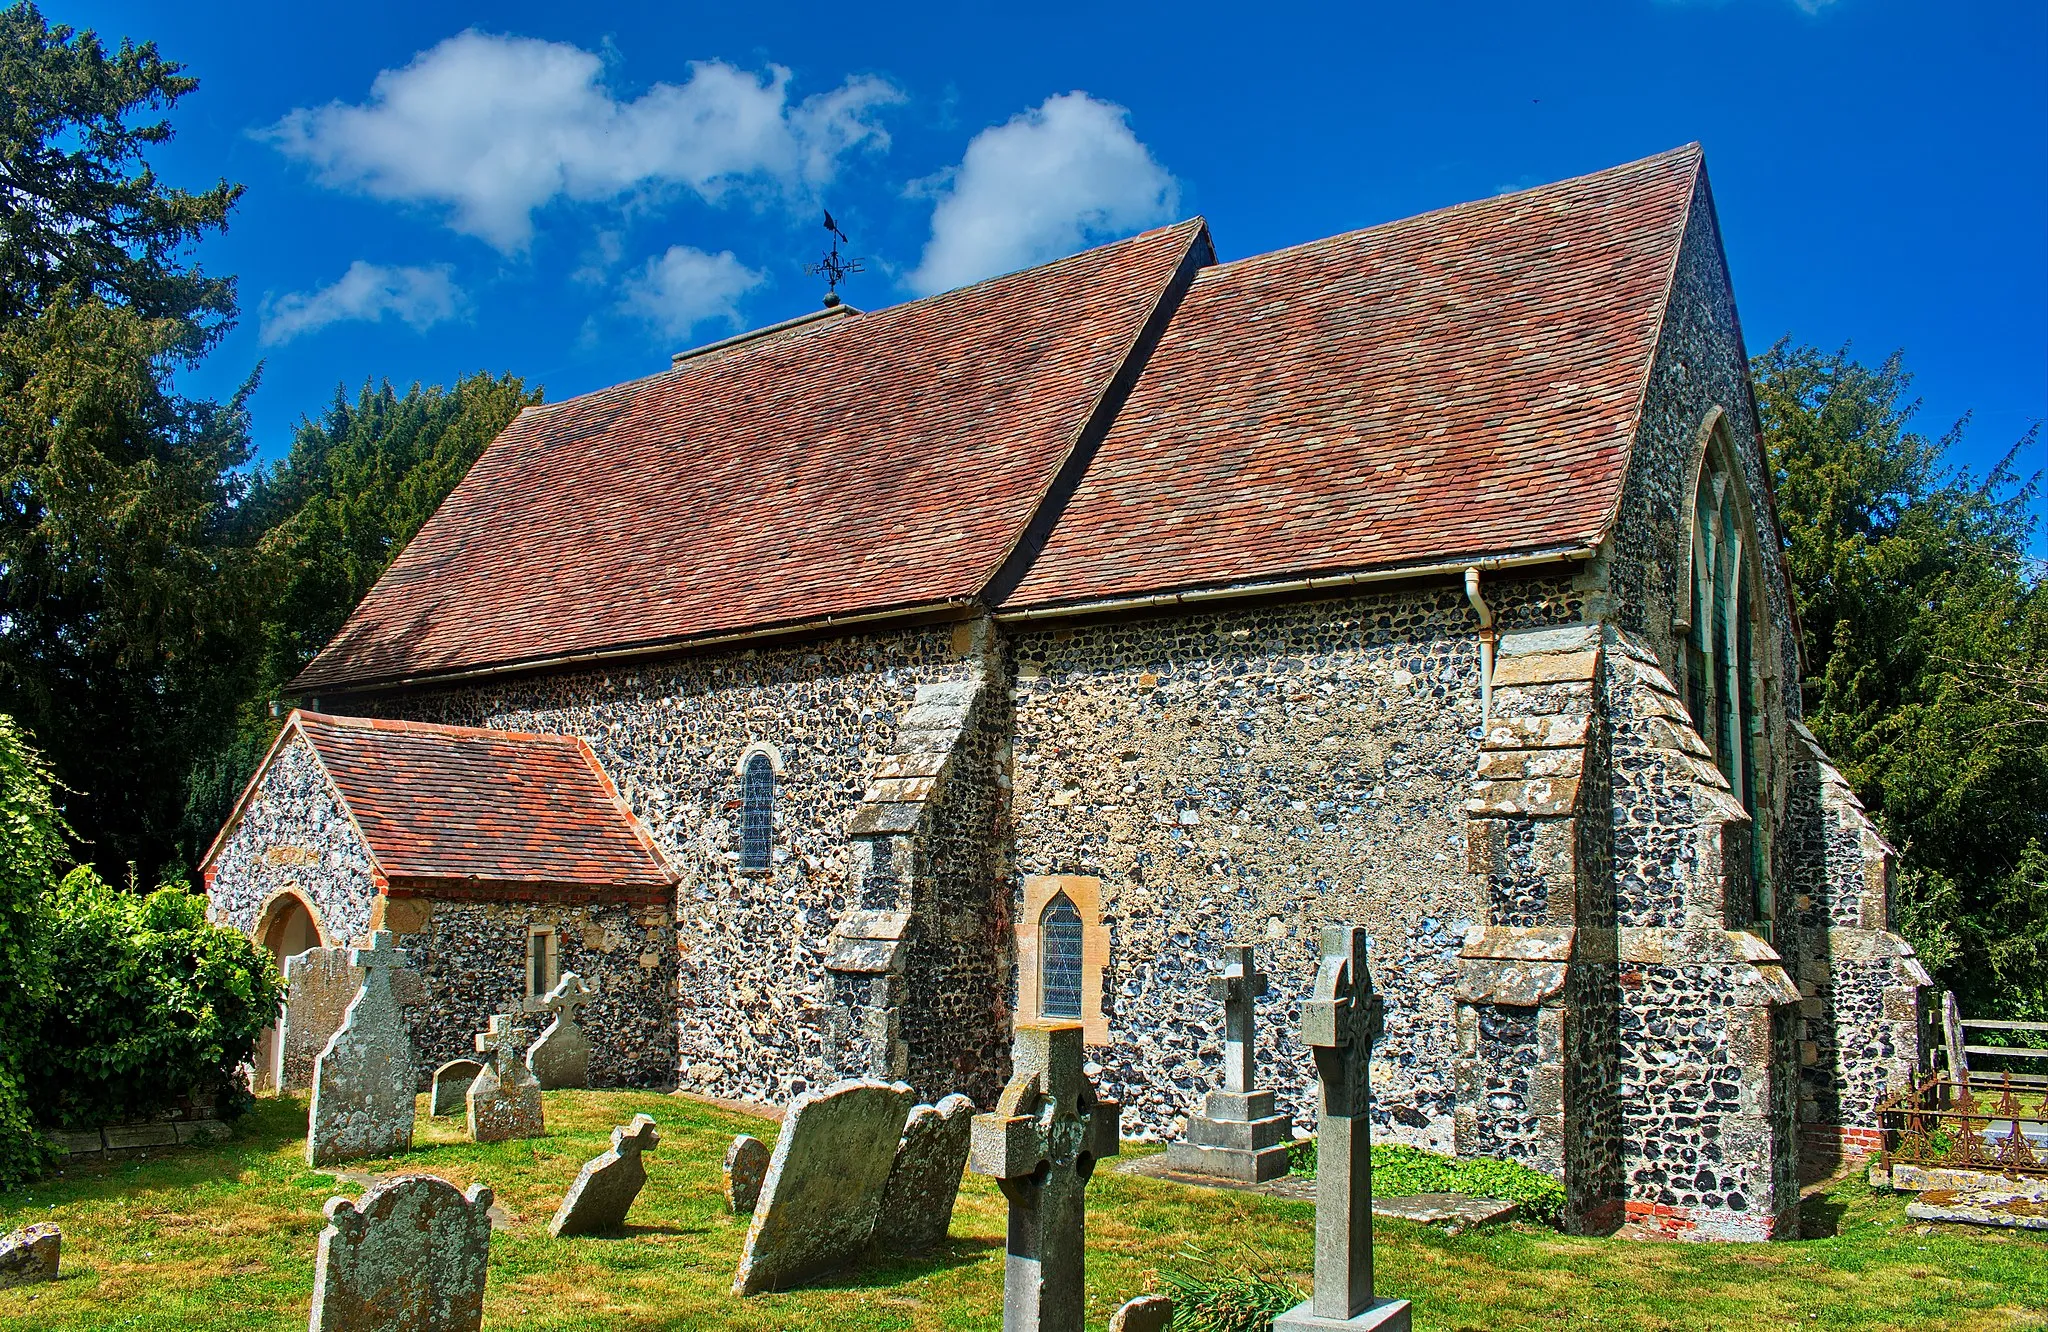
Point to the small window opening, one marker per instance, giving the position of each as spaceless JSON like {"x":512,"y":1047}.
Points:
{"x":1059,"y":933}
{"x":757,"y":813}
{"x":540,"y":962}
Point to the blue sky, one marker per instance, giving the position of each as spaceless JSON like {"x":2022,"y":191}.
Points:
{"x":573,"y":192}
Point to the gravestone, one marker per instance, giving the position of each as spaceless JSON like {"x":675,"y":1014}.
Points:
{"x":30,"y":1255}
{"x":917,"y":1202}
{"x":1237,"y":1135}
{"x":319,"y":984}
{"x":746,"y":1165}
{"x":504,"y":1100}
{"x":824,"y":1184}
{"x":409,"y":1256}
{"x":1340,"y":1022}
{"x":561,"y":1057}
{"x":365,"y":1080}
{"x":604,"y":1192}
{"x":451,"y":1085}
{"x":1147,"y":1313}
{"x":1041,"y":1143}
{"x":1952,"y":1041}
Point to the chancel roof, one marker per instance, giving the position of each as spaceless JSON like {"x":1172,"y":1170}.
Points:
{"x":1134,"y":419}
{"x":456,"y":808}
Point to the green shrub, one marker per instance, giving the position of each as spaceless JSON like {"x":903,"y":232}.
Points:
{"x":33,"y":838}
{"x":1242,"y":1300}
{"x":1398,"y":1170}
{"x":150,"y":1001}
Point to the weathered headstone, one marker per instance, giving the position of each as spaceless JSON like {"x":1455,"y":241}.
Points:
{"x":1952,"y":1041}
{"x":604,"y":1192}
{"x":1237,"y":1135}
{"x":1340,"y":1022}
{"x":504,"y":1100}
{"x":319,"y":984}
{"x":1042,"y":1142}
{"x":824,"y":1184}
{"x":451,"y":1085}
{"x":30,"y":1255}
{"x":746,"y":1165}
{"x":924,"y":1183}
{"x":409,"y":1256}
{"x":365,"y":1080}
{"x":561,"y":1057}
{"x":1147,"y":1313}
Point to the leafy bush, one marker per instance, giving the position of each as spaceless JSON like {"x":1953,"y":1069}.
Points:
{"x":1398,"y":1170}
{"x":1245,"y":1300}
{"x":150,"y":1001}
{"x":32,"y":844}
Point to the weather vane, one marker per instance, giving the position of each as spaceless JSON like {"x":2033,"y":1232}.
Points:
{"x":832,"y":268}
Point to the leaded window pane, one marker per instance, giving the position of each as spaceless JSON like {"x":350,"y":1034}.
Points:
{"x":757,"y":813}
{"x":1059,"y":949}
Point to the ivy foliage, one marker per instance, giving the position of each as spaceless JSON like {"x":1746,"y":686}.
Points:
{"x":1925,"y":629}
{"x":1399,"y":1170}
{"x":32,"y":847}
{"x":149,"y":1000}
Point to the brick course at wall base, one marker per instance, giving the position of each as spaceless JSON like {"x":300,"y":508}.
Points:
{"x":1521,"y":700}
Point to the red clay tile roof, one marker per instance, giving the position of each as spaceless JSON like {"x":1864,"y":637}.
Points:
{"x":886,"y":460}
{"x":1458,"y":384}
{"x":458,"y":807}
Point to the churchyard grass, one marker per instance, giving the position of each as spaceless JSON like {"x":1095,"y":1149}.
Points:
{"x":223,"y":1237}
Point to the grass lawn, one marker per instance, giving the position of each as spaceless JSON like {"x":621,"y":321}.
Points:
{"x":224,"y":1236}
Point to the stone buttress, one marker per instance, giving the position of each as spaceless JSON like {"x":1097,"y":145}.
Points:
{"x":914,"y":968}
{"x":1864,"y":996}
{"x":1708,"y":1080}
{"x":1535,"y":1068}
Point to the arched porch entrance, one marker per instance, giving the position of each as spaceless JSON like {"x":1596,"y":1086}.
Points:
{"x":285,"y":928}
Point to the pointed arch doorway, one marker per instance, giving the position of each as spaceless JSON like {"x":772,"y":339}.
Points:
{"x":286,"y":928}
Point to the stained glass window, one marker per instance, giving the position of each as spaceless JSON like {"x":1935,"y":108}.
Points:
{"x":757,"y":813}
{"x":1059,"y":950}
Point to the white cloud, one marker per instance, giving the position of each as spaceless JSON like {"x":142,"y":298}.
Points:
{"x":493,"y":128}
{"x":687,"y":286}
{"x":1040,"y":186}
{"x":422,"y":297}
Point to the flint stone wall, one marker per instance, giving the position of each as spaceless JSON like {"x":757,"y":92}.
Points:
{"x":1253,"y":774}
{"x":294,"y":835}
{"x":472,"y":956}
{"x":748,"y":948}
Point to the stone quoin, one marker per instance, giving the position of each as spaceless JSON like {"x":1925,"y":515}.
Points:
{"x":1423,"y":578}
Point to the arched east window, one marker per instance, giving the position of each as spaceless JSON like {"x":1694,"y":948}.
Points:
{"x":1059,"y":933}
{"x":1723,"y":683}
{"x":757,"y":812}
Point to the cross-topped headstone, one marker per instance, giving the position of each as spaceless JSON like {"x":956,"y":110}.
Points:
{"x":364,"y":1081}
{"x":1041,"y":1143}
{"x":604,"y":1192}
{"x":1237,"y":1135}
{"x":561,"y":1057}
{"x":1340,"y":1022}
{"x":1239,"y":990}
{"x":504,"y":1100}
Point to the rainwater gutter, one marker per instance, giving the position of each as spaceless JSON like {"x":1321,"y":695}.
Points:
{"x":1321,"y":583}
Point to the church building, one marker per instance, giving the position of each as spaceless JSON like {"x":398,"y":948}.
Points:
{"x":862,"y":685}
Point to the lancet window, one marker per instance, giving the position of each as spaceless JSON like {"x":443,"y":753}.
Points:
{"x":1059,"y":934}
{"x":757,"y":812}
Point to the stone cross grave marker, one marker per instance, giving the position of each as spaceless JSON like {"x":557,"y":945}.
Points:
{"x":364,"y":1081}
{"x":504,"y":1100}
{"x":824,"y":1185}
{"x":409,"y":1256}
{"x":1237,"y":1135}
{"x":917,"y":1202}
{"x":1340,"y":1022}
{"x":561,"y":1057}
{"x":1041,"y":1143}
{"x":604,"y":1192}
